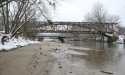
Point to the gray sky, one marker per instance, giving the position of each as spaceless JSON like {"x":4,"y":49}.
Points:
{"x":76,"y":9}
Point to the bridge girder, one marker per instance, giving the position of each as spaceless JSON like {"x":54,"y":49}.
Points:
{"x":75,"y":26}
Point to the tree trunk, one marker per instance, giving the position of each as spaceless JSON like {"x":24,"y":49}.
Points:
{"x":24,"y":31}
{"x":7,"y":19}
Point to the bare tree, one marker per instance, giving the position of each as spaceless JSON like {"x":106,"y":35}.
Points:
{"x":24,"y":11}
{"x":121,"y":30}
{"x":5,"y":2}
{"x":1,"y":24}
{"x":113,"y":19}
{"x":4,"y":10}
{"x":98,"y":14}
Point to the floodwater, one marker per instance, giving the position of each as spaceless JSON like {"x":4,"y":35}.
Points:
{"x":104,"y":56}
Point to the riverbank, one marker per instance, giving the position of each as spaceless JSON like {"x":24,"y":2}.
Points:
{"x":46,"y":59}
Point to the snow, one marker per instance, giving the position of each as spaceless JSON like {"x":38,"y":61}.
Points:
{"x":14,"y":43}
{"x":121,"y":39}
{"x":109,"y":34}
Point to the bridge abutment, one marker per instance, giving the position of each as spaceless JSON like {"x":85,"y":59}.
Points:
{"x":112,"y":39}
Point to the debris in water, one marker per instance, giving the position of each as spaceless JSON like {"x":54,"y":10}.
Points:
{"x":106,"y":72}
{"x":60,"y":66}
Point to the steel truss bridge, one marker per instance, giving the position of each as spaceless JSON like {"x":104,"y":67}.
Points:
{"x":73,"y":27}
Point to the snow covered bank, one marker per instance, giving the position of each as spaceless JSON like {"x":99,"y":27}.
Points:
{"x":120,"y":40}
{"x":14,"y":43}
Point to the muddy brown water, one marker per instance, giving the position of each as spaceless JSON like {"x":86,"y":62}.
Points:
{"x":103,"y":56}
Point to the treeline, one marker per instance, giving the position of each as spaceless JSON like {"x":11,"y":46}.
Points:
{"x":121,"y":31}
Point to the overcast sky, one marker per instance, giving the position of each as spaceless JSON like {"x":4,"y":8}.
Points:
{"x":76,"y":9}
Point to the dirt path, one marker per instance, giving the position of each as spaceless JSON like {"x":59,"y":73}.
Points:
{"x":44,"y":59}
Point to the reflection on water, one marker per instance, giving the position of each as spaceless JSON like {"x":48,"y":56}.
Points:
{"x":104,"y":56}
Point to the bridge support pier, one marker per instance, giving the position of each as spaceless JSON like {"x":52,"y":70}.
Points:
{"x":112,"y":39}
{"x":103,"y":38}
{"x":61,"y":39}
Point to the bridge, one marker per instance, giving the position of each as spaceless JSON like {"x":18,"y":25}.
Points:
{"x":73,"y":27}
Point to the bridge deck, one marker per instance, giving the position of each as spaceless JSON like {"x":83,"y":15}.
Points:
{"x":73,"y":27}
{"x":75,"y":23}
{"x":78,"y":32}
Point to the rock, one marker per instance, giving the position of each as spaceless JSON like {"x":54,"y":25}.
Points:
{"x":47,"y":71}
{"x":34,"y":65}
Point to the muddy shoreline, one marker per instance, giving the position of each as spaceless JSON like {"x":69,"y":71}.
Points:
{"x":46,"y":59}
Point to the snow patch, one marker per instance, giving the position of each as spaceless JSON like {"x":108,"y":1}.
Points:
{"x":121,"y":39}
{"x":14,"y":43}
{"x":109,"y":34}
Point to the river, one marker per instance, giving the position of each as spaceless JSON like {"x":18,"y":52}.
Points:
{"x":104,"y":56}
